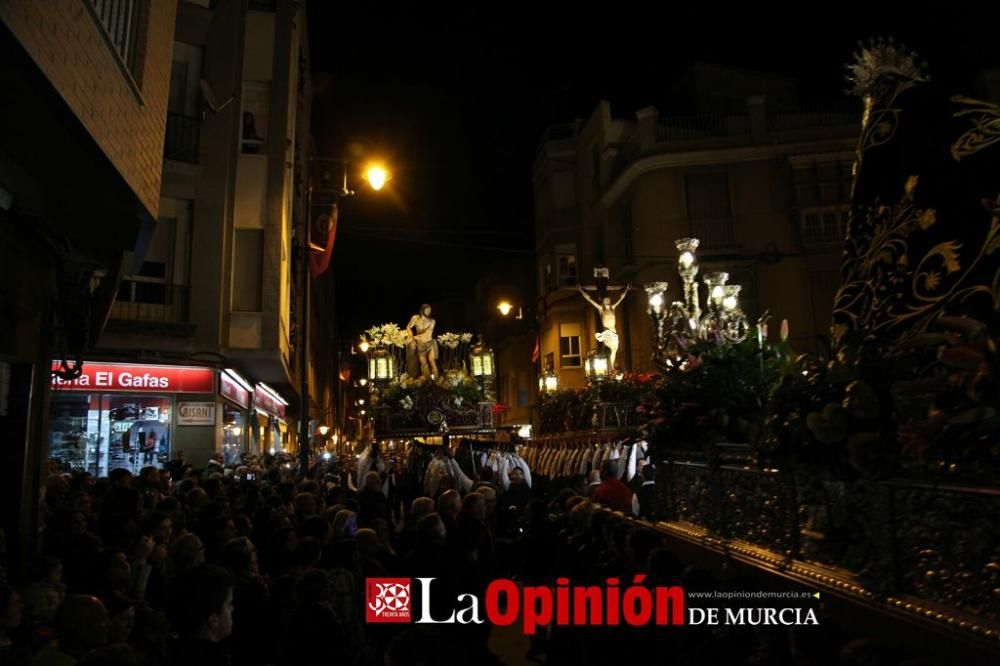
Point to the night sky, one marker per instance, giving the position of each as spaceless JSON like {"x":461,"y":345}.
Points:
{"x":456,"y":101}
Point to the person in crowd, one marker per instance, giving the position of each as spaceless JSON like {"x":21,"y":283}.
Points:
{"x":317,"y":633}
{"x":518,"y":494}
{"x":647,"y":494}
{"x":593,"y":484}
{"x":372,"y":503}
{"x":82,"y":625}
{"x":186,"y":551}
{"x":367,"y":541}
{"x":201,"y":610}
{"x":475,"y":542}
{"x":612,"y":493}
{"x":407,"y":538}
{"x":46,"y":591}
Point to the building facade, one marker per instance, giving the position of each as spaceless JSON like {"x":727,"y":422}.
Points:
{"x":82,"y":123}
{"x":217,"y":287}
{"x":763,"y":182}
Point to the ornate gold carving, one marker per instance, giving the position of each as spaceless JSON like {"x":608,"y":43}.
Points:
{"x":985,"y":130}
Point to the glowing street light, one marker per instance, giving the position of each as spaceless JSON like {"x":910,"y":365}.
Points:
{"x":505,"y":307}
{"x":376,"y":175}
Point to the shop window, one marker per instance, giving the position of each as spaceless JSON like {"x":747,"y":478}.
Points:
{"x":234,"y":426}
{"x":100,"y":432}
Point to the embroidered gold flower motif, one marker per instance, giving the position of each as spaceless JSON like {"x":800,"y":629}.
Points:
{"x":927,"y":219}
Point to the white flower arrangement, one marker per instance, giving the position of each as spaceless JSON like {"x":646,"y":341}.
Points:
{"x":406,"y":403}
{"x":458,"y":401}
{"x":386,"y":335}
{"x":449,"y":340}
{"x":453,"y":340}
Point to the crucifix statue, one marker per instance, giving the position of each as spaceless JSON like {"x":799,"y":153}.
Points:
{"x":608,"y":336}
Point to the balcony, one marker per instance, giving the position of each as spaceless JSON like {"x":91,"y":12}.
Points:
{"x":846,"y":113}
{"x":149,"y":300}
{"x":181,"y":140}
{"x":686,"y":128}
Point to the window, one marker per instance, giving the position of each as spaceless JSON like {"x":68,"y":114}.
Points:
{"x":98,"y":432}
{"x":550,"y":362}
{"x":183,"y":125}
{"x":256,"y":116}
{"x":822,"y":184}
{"x":158,"y":291}
{"x":824,"y":226}
{"x":569,"y":346}
{"x":709,"y":213}
{"x":566,"y":265}
{"x":149,"y":285}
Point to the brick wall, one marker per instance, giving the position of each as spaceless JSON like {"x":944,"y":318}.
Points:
{"x":67,"y":43}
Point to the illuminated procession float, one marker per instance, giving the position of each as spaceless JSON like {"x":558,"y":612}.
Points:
{"x":870,"y":470}
{"x":427,"y":385}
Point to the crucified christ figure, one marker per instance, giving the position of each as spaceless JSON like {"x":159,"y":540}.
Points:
{"x":609,"y":336}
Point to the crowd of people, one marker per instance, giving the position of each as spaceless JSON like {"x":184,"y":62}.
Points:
{"x":260,"y":564}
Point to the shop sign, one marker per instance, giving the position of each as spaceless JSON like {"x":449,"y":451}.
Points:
{"x":195,"y":413}
{"x":124,"y":377}
{"x":230,"y":389}
{"x":266,"y":402}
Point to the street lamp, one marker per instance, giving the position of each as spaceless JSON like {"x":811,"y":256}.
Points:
{"x":322,"y":191}
{"x":377,"y":176}
{"x":506,"y":307}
